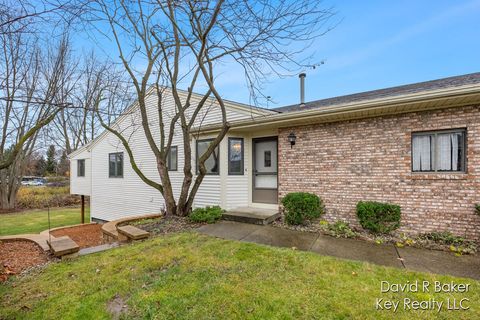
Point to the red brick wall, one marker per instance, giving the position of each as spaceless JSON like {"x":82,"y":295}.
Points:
{"x":370,"y":159}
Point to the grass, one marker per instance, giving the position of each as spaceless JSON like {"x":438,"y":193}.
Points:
{"x":192,"y":276}
{"x":35,"y":221}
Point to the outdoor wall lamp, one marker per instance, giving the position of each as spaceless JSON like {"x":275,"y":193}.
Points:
{"x":292,"y":138}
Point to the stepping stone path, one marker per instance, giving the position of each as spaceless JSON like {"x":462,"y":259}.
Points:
{"x":133,"y":233}
{"x":63,"y":247}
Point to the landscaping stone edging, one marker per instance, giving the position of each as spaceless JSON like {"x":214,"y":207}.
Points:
{"x":109,"y":229}
{"x":39,"y":239}
{"x":46,"y":232}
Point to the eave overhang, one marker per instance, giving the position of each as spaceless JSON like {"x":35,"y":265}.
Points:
{"x":422,"y":101}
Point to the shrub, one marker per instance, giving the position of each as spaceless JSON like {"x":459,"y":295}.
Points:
{"x":207,"y":214}
{"x":444,"y":237}
{"x":44,"y":197}
{"x":455,"y":243}
{"x":299,"y":206}
{"x":378,"y":217}
{"x":339,"y":229}
{"x":477,"y":208}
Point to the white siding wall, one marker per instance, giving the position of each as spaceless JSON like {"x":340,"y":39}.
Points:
{"x":81,"y":185}
{"x":113,"y":198}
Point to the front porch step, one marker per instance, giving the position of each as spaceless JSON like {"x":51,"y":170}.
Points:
{"x":251,"y":215}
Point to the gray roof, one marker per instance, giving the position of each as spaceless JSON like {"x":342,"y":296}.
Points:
{"x":451,"y":82}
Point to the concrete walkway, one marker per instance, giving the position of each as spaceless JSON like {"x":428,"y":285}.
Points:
{"x":386,"y":254}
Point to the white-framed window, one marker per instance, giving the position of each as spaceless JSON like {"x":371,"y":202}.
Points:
{"x":235,"y":156}
{"x":212,"y":164}
{"x":81,"y":168}
{"x":172,"y":159}
{"x":115,"y":165}
{"x":439,"y":151}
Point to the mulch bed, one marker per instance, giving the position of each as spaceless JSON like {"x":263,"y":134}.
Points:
{"x":396,"y":238}
{"x":16,"y":256}
{"x":89,"y":235}
{"x":164,"y":225}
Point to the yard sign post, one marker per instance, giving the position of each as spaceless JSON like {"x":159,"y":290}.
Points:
{"x":83,"y":209}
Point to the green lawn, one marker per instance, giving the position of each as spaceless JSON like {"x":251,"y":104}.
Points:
{"x":192,"y":276}
{"x":35,"y":221}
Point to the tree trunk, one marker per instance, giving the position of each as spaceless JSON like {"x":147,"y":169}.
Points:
{"x":8,"y":190}
{"x":170,"y":205}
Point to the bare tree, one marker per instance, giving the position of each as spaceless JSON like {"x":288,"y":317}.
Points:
{"x":24,"y":16}
{"x":168,"y":44}
{"x":21,"y":25}
{"x":29,"y":82}
{"x":96,"y":85}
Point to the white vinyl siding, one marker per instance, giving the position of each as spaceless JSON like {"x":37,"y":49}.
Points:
{"x":116,"y":198}
{"x":80,"y":185}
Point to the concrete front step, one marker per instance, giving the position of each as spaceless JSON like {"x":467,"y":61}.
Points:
{"x":63,"y":246}
{"x":133,"y":233}
{"x":252,"y":215}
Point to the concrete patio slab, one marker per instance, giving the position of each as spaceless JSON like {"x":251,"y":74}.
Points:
{"x":440,"y":262}
{"x":229,"y":229}
{"x":251,"y":215}
{"x":282,"y":238}
{"x":385,"y":255}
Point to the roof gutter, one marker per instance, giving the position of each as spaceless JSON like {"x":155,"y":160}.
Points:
{"x":385,"y":103}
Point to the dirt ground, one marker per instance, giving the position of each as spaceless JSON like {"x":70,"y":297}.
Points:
{"x":17,"y":256}
{"x":85,"y":236}
{"x":169,"y":224}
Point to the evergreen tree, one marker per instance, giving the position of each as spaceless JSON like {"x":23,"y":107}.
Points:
{"x":51,"y":165}
{"x":63,"y":165}
{"x":40,"y":167}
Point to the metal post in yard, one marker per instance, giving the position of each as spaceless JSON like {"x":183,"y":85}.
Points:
{"x":83,"y":209}
{"x":49,"y":236}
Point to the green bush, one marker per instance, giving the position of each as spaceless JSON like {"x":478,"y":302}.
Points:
{"x":301,"y":206}
{"x":443,"y":237}
{"x":339,"y":229}
{"x":456,"y":244}
{"x":477,"y":208}
{"x":207,"y":214}
{"x":378,"y":217}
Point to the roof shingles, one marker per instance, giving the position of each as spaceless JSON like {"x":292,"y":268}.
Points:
{"x":467,"y":79}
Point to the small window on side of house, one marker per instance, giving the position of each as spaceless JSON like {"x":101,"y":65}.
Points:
{"x":172,"y":159}
{"x":115,"y":165}
{"x":439,"y":151}
{"x":81,"y":168}
{"x":235,"y":156}
{"x":212,"y":164}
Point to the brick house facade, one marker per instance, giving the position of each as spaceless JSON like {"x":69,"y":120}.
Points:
{"x":370,"y":159}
